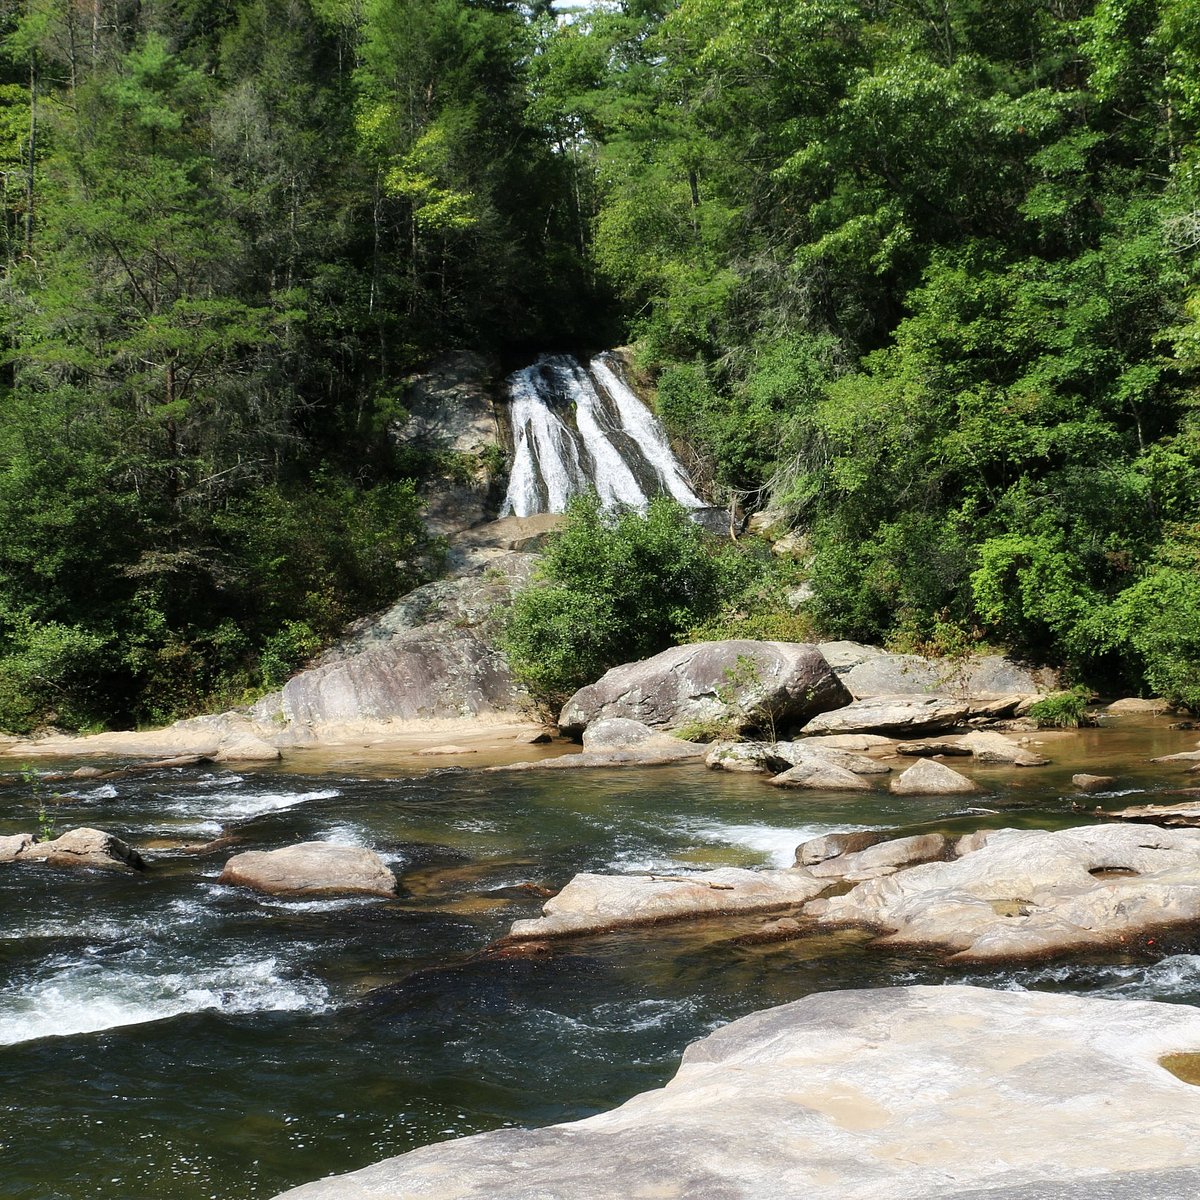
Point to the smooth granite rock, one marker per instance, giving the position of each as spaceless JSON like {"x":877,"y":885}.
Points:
{"x":883,"y":858}
{"x":1093,"y":783}
{"x":989,"y":676}
{"x":311,"y":867}
{"x":986,"y":747}
{"x":818,"y":775}
{"x":746,"y":757}
{"x":13,"y":846}
{"x":917,"y":1093}
{"x":737,"y":685}
{"x":928,"y":777}
{"x":1029,"y":893}
{"x":593,"y":903}
{"x":832,"y":845}
{"x":900,"y":715}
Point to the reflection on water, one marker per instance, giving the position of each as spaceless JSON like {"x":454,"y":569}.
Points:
{"x":169,"y":1037}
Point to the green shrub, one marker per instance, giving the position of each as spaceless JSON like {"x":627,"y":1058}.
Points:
{"x":614,"y":588}
{"x":1063,"y":710}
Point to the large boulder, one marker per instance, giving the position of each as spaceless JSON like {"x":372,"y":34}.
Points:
{"x":594,"y":903}
{"x":1029,"y":893}
{"x":978,"y":676}
{"x":723,"y":686}
{"x":900,"y":715}
{"x":84,"y":848}
{"x":311,"y":867}
{"x":431,"y":656}
{"x":876,"y":1094}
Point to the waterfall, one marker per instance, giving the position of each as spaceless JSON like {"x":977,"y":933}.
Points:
{"x":577,"y":428}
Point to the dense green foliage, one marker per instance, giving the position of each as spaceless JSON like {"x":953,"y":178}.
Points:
{"x":925,"y":276}
{"x":616,"y":587}
{"x":228,"y":232}
{"x":922,"y":276}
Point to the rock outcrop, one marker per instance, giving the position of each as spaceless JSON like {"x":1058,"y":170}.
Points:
{"x":83,"y":848}
{"x":1031,"y":893}
{"x":595,"y":903}
{"x":918,"y":1092}
{"x":981,"y":677}
{"x":311,"y":867}
{"x":731,"y":685}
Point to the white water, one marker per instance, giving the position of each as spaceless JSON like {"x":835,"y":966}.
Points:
{"x":85,"y":997}
{"x":577,"y":428}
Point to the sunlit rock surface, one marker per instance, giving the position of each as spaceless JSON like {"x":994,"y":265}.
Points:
{"x":1029,"y":893}
{"x":885,"y":1094}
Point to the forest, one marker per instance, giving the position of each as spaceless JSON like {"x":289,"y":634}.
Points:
{"x":920,"y":275}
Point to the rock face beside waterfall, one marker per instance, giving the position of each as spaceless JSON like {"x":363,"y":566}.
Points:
{"x":917,"y":1092}
{"x":727,"y":686}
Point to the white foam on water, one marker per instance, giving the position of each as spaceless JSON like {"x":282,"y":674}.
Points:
{"x":227,"y":806}
{"x":777,"y":845}
{"x":81,"y":997}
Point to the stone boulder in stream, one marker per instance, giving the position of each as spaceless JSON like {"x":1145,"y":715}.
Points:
{"x":878,"y":1094}
{"x":1030,"y":893}
{"x":83,"y":848}
{"x":311,"y":867}
{"x":596,"y":903}
{"x":731,"y":685}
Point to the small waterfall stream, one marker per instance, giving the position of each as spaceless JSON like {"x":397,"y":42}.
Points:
{"x":579,"y":427}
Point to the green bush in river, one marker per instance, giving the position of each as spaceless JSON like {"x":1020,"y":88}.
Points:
{"x":615,"y":587}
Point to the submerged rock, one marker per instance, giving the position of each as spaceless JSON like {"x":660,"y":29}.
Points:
{"x":1028,"y":893}
{"x":84,"y":848}
{"x":736,"y":685}
{"x":877,"y":1094}
{"x":594,"y":903}
{"x":928,"y":777}
{"x":320,"y":867}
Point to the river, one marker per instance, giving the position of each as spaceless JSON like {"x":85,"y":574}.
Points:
{"x":168,"y":1037}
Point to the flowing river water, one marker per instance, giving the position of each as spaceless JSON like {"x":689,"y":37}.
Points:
{"x":167,"y":1037}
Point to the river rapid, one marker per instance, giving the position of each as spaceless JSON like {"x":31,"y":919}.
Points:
{"x":168,"y":1037}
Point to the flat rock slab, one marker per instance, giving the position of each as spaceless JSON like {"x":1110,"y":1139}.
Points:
{"x":881,"y":1094}
{"x":987,"y":747}
{"x":1029,"y":893}
{"x":892,"y":714}
{"x":734,"y":684}
{"x":1185,"y":814}
{"x":320,"y":867}
{"x":594,"y":903}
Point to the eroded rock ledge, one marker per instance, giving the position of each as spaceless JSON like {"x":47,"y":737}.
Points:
{"x":881,"y":1094}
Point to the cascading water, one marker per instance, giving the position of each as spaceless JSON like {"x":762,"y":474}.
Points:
{"x":577,"y":428}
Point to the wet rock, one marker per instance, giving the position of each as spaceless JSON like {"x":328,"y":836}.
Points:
{"x":311,"y":867}
{"x":12,"y":847}
{"x":1182,"y":756}
{"x":737,"y":685}
{"x":440,"y":751}
{"x":931,"y":749}
{"x":874,"y":1094}
{"x":760,"y":757}
{"x":996,"y":748}
{"x":1029,"y":893}
{"x":85,"y":848}
{"x":928,"y":777}
{"x":892,"y":714}
{"x":831,"y":845}
{"x":817,"y":775}
{"x":884,"y":858}
{"x":593,"y":903}
{"x":1093,"y":783}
